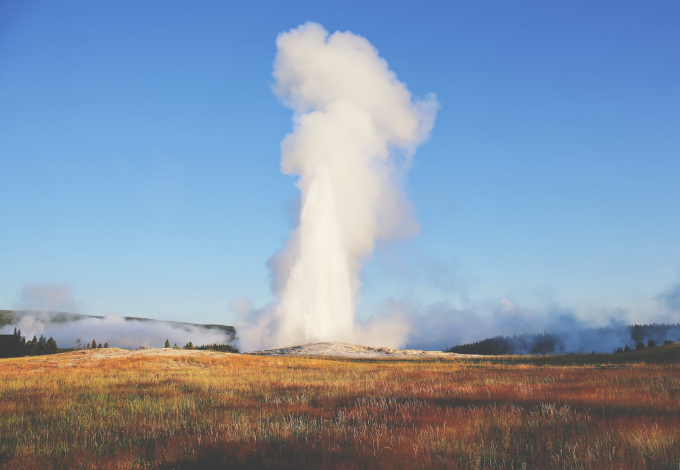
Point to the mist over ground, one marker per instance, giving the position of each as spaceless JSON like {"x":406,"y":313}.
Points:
{"x":38,"y":313}
{"x":118,"y":331}
{"x":441,"y":325}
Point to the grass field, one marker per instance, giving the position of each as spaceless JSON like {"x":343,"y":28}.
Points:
{"x":109,"y":409}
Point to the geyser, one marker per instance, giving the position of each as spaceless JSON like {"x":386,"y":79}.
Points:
{"x":355,"y":130}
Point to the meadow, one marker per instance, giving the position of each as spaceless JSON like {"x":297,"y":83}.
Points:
{"x":112,"y":409}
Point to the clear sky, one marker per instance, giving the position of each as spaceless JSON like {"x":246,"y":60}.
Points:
{"x":139,"y":152}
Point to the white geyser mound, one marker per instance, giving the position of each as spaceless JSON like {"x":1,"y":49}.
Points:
{"x":355,"y":130}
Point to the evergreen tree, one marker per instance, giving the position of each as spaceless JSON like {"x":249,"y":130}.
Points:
{"x":20,"y":342}
{"x":637,"y":333}
{"x":106,"y":345}
{"x":99,"y":346}
{"x":651,"y":343}
{"x":50,"y":346}
{"x":32,"y":347}
{"x":167,"y":343}
{"x":41,"y":345}
{"x":94,"y":344}
{"x":626,"y":349}
{"x":640,"y":345}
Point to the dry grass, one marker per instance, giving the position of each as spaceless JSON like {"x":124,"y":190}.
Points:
{"x":198,"y":409}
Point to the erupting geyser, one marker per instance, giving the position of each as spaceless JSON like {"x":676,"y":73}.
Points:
{"x":355,"y":129}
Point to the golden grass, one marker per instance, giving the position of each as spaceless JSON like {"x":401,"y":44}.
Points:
{"x":198,"y":409}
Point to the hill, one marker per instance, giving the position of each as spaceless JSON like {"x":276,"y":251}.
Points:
{"x":12,"y":317}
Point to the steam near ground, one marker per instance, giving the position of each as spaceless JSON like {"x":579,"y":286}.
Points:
{"x":115,"y":330}
{"x":39,"y":301}
{"x":356,"y":127}
{"x":441,"y":325}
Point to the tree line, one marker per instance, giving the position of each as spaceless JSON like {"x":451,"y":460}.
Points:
{"x":92,"y":345}
{"x":641,"y":336}
{"x":641,"y":345}
{"x":18,"y":345}
{"x":205,"y":347}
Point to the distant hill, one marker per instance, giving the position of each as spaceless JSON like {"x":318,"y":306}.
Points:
{"x":10,"y":317}
{"x":607,"y":339}
{"x":541,"y":343}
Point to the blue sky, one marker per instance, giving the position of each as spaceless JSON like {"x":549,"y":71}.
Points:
{"x":139,"y":152}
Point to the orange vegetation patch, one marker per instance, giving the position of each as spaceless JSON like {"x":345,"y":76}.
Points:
{"x":167,"y":409}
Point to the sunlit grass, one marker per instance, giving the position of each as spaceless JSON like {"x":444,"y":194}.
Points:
{"x":192,"y":410}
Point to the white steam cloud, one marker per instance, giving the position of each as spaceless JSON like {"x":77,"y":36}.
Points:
{"x":356,"y":127}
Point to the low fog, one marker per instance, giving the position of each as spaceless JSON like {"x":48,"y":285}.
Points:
{"x":115,"y":330}
{"x":38,"y":304}
{"x":442,"y":325}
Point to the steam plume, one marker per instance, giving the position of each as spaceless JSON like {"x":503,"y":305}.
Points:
{"x":355,"y":129}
